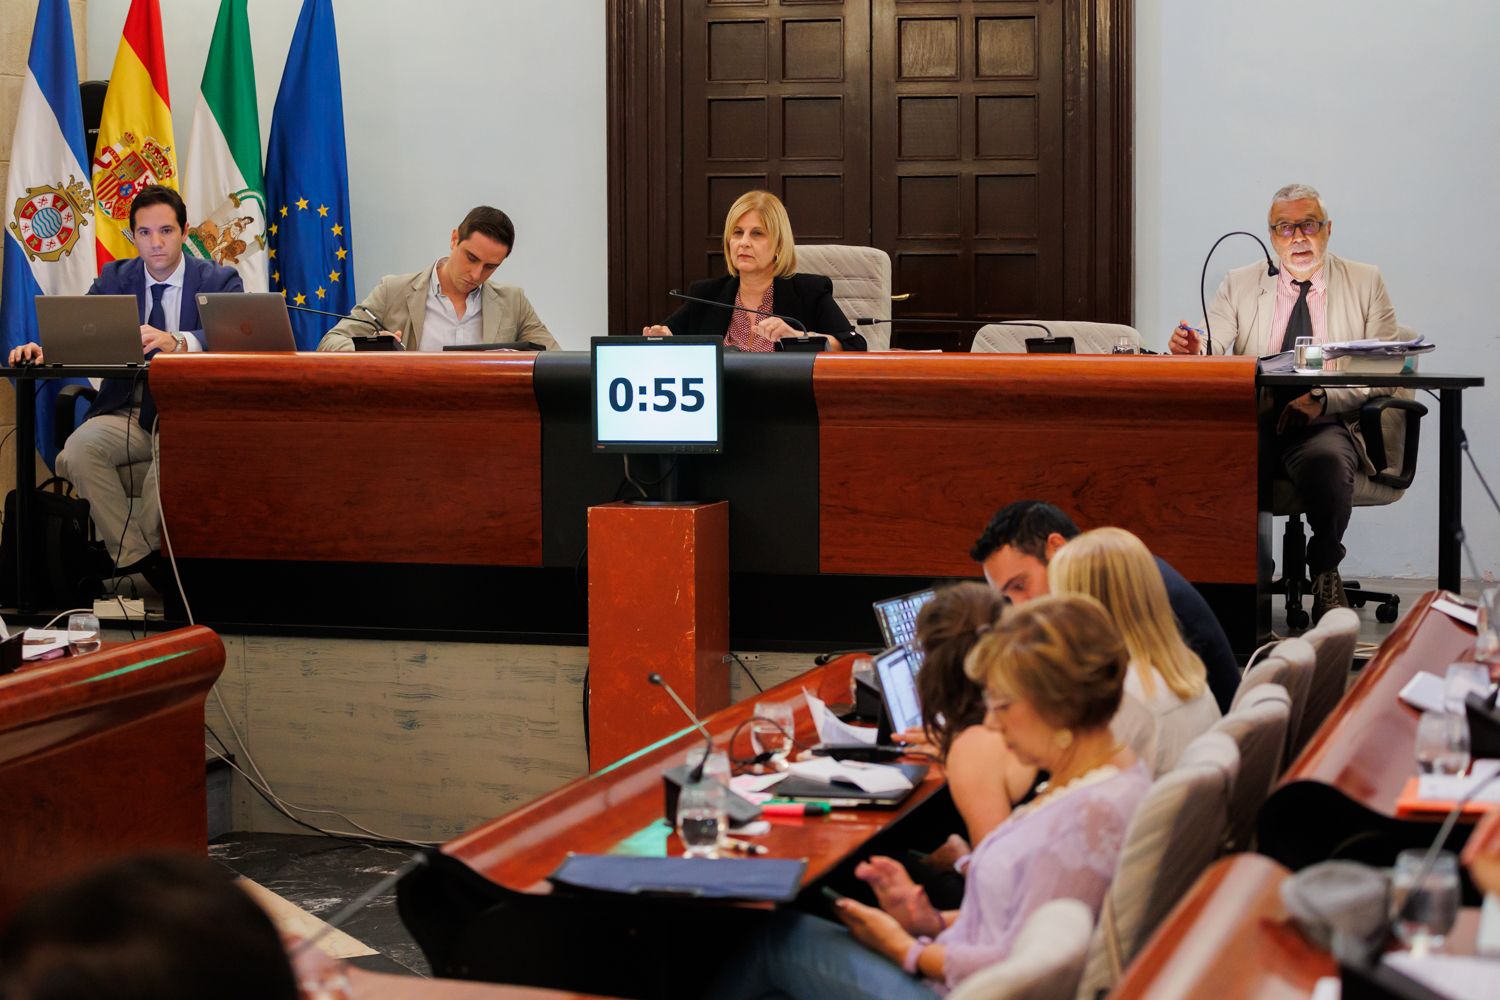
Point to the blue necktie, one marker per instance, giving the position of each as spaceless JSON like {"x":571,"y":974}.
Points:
{"x":158,"y":315}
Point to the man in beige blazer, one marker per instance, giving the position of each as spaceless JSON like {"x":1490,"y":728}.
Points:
{"x":452,"y":302}
{"x":1316,"y":437}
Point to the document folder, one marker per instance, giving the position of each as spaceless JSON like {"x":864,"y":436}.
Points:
{"x":774,"y":880}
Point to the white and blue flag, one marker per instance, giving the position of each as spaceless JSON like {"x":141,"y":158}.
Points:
{"x":48,"y":211}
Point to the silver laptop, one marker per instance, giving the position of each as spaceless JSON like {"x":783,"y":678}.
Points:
{"x":241,"y":322}
{"x":89,"y":329}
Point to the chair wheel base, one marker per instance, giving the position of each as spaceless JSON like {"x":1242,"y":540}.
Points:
{"x":1298,"y":618}
{"x":1386,"y":613}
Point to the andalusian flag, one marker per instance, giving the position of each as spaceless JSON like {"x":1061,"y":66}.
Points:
{"x":222,"y":178}
{"x":135,"y":145}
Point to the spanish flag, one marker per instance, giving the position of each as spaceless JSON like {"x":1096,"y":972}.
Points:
{"x":135,"y":147}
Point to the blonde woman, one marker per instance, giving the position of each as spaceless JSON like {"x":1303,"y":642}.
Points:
{"x":1052,"y":674}
{"x":761,"y":258}
{"x":1167,"y":702}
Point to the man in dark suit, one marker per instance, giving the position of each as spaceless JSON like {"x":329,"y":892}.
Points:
{"x":118,"y":428}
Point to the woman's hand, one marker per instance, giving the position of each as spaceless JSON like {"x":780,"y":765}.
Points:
{"x":917,"y":740}
{"x":875,"y":929}
{"x":657,"y":331}
{"x":947,"y":856}
{"x":899,"y":896}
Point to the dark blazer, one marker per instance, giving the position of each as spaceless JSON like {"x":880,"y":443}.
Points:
{"x":126,"y":277}
{"x":804,"y":297}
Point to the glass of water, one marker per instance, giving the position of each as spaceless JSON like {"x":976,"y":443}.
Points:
{"x":1442,"y":743}
{"x":1123,"y":345}
{"x":1487,"y":632}
{"x":83,"y":634}
{"x":700,"y":818}
{"x":771,"y":732}
{"x":1462,"y":680}
{"x":1424,"y":912}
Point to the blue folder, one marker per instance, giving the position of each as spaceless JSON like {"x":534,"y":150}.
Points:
{"x":774,"y":880}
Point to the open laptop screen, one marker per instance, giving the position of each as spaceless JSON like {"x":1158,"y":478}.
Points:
{"x":897,"y":670}
{"x":898,"y":616}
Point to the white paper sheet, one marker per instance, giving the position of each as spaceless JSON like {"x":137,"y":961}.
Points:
{"x":1424,"y":692}
{"x":1459,"y":977}
{"x":1327,"y":988}
{"x":873,"y":778}
{"x":1458,"y":612}
{"x":832,"y":729}
{"x":40,"y":641}
{"x":1452,"y":787}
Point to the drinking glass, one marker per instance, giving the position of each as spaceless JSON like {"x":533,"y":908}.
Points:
{"x":1300,"y":346}
{"x":1487,"y":632}
{"x":1460,"y":681}
{"x":771,"y":732}
{"x":700,"y":818}
{"x":1442,"y":743}
{"x":1424,"y":913}
{"x":1123,"y":345}
{"x":83,"y":633}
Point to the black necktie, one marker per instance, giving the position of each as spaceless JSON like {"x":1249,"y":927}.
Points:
{"x":1299,"y":323}
{"x":158,"y":315}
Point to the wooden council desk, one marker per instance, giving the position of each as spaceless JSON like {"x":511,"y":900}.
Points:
{"x":448,"y":492}
{"x":101,"y":756}
{"x":1338,"y":799}
{"x":482,"y":909}
{"x":1231,"y":939}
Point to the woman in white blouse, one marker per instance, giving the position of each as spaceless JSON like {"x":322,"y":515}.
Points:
{"x":1167,"y":702}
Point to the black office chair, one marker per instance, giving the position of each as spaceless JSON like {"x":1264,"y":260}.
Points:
{"x":1369,"y":491}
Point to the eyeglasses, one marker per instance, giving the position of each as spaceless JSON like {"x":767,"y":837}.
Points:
{"x":1307,"y":227}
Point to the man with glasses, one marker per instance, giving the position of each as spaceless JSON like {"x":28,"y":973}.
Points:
{"x":1329,"y":299}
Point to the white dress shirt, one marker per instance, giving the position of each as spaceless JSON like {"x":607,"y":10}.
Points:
{"x":442,"y":326}
{"x":171,"y":302}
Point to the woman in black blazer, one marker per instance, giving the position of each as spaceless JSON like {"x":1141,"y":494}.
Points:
{"x":761,"y":257}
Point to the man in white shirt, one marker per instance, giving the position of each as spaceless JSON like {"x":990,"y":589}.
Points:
{"x":118,"y":429}
{"x":453,"y":302}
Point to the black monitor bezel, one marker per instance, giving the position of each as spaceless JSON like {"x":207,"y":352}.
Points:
{"x":716,"y":447}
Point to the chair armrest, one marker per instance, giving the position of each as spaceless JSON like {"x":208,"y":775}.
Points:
{"x":64,"y":408}
{"x":1369,"y":428}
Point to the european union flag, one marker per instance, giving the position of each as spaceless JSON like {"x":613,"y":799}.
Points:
{"x":307,"y":179}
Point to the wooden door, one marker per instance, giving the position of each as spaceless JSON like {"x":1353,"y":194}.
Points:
{"x":968,"y":144}
{"x":984,"y":144}
{"x":775,"y":95}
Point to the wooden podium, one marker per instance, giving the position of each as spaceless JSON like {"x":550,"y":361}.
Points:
{"x":658,"y":603}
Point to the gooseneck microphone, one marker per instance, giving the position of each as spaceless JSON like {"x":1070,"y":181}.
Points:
{"x":697,"y":773}
{"x":335,"y":315}
{"x":1271,"y":271}
{"x":804,"y":342}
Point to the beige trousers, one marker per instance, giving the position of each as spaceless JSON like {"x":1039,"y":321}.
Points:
{"x":128,"y":522}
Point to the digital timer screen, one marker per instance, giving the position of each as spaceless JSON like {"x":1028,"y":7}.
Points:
{"x":657,"y":394}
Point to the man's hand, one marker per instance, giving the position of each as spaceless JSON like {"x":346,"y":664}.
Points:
{"x":899,"y":896}
{"x":1186,"y":339}
{"x":875,"y":929}
{"x":1300,"y":412}
{"x":26,"y":354}
{"x":657,"y":331}
{"x":393,"y":334}
{"x":153,"y":339}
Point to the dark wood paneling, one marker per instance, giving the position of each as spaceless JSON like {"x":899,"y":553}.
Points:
{"x":1085,"y":432}
{"x":1029,"y":102}
{"x":351,"y":457}
{"x":101,"y":756}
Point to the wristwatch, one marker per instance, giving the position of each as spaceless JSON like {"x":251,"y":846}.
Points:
{"x":1320,"y":394}
{"x":182,"y":344}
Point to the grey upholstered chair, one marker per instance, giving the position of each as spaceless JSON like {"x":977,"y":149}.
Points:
{"x":1258,"y":725}
{"x":1088,"y":338}
{"x":1333,"y":642}
{"x":1175,"y":834}
{"x":861,"y":284}
{"x":1045,"y":962}
{"x":1290,"y":664}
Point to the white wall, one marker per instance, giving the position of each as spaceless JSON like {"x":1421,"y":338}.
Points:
{"x":1388,"y":108}
{"x":447,"y":104}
